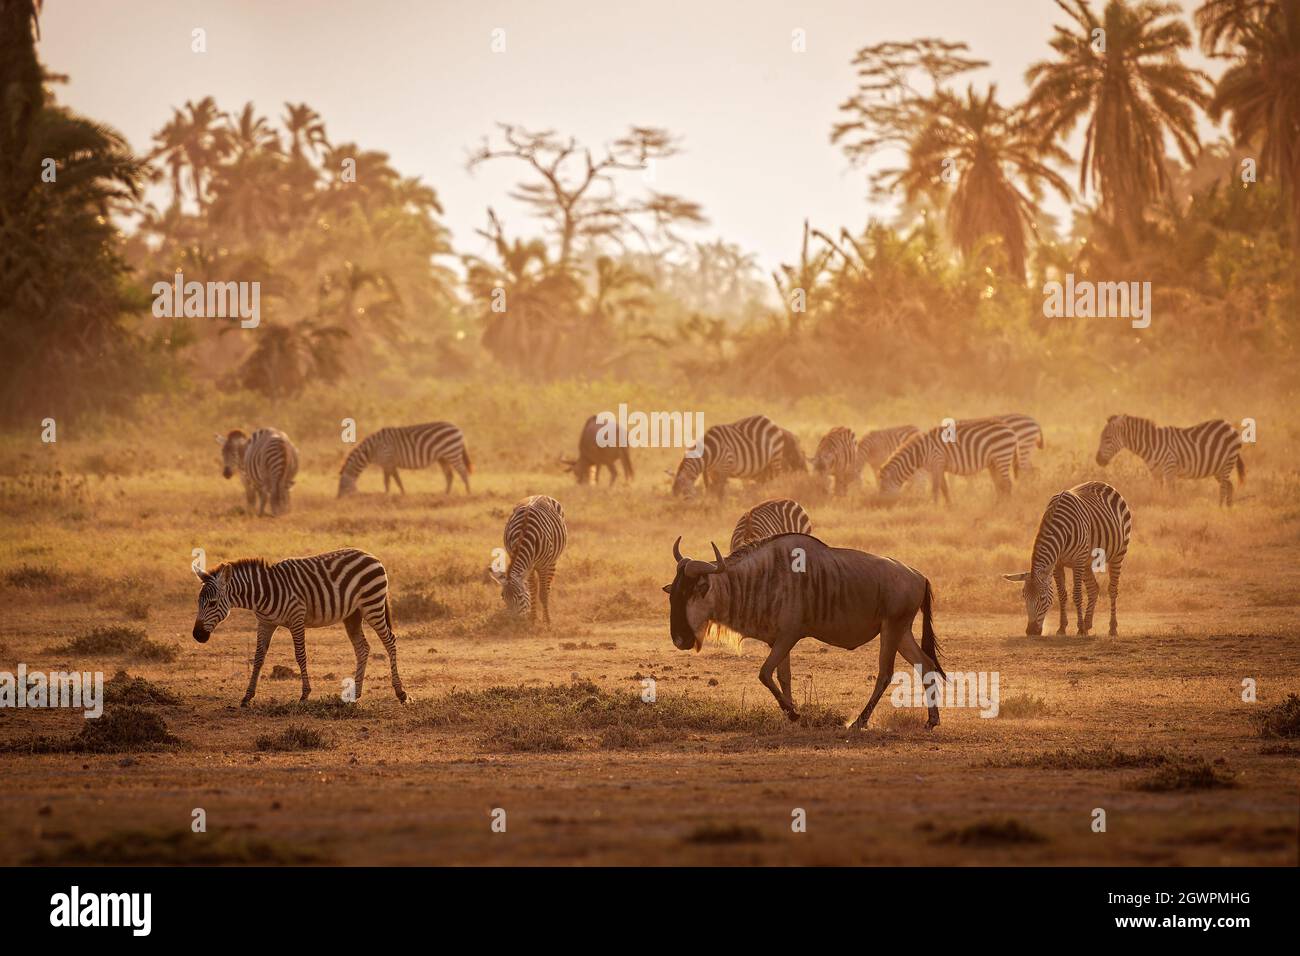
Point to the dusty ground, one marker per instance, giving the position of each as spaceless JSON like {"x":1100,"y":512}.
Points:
{"x":1209,"y":599}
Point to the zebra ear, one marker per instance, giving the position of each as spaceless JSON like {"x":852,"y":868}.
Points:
{"x":1021,"y":576}
{"x":200,"y":573}
{"x":220,"y":440}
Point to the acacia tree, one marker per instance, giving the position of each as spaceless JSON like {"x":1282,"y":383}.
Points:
{"x":577,"y":192}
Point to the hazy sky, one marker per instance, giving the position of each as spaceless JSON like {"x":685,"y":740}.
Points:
{"x":418,"y":80}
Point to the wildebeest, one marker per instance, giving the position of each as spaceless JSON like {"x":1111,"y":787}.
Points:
{"x":593,"y":455}
{"x":770,"y":592}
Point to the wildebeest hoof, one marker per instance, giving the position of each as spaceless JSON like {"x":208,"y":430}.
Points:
{"x":245,"y":702}
{"x":932,"y":723}
{"x":793,"y":715}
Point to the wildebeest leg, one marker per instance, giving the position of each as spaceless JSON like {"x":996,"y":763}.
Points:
{"x":264,"y":632}
{"x":783,"y":675}
{"x":780,"y":651}
{"x":913,"y":654}
{"x":1062,"y":598}
{"x":1090,"y":585}
{"x":613,"y":474}
{"x":889,"y":640}
{"x":360,"y":646}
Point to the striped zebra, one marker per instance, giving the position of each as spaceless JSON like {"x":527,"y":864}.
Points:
{"x":771,"y":517}
{"x":535,"y":538}
{"x":875,"y":447}
{"x":1029,"y":435}
{"x":1082,"y":527}
{"x":1208,"y":450}
{"x":409,"y":446}
{"x":837,"y":458}
{"x":267,"y":464}
{"x":959,"y":449}
{"x":347,"y":585}
{"x":752,"y":447}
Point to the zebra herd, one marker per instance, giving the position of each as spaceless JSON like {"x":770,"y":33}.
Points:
{"x":840,"y":596}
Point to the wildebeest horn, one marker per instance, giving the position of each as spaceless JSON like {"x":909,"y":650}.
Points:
{"x":677,"y":550}
{"x":700,"y":568}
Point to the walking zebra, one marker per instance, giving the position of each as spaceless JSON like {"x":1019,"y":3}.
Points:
{"x":347,"y":585}
{"x":267,"y":464}
{"x":1208,"y":450}
{"x":875,"y":447}
{"x":837,"y":458}
{"x":1082,"y":528}
{"x":535,"y":538}
{"x":1029,"y":435}
{"x":963,"y":448}
{"x":409,"y":446}
{"x":749,"y":448}
{"x":772,"y":517}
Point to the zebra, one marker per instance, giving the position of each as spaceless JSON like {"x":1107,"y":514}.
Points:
{"x":535,"y":537}
{"x":1208,"y":450}
{"x":267,"y":463}
{"x":1080,"y":525}
{"x":973,"y":447}
{"x":752,"y":447}
{"x":346,"y":585}
{"x":409,"y":446}
{"x":875,"y":447}
{"x":771,"y":517}
{"x":1029,"y":435}
{"x":837,"y":458}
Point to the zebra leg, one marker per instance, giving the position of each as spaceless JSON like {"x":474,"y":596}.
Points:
{"x":1112,"y":586}
{"x":398,"y":478}
{"x":360,"y":646}
{"x":299,"y":633}
{"x":780,"y":651}
{"x":943,"y":485}
{"x":534,"y":586}
{"x":1090,"y":584}
{"x":544,"y":579}
{"x":1061,"y":598}
{"x":446,"y":474}
{"x":264,"y":632}
{"x":388,"y":475}
{"x":377,"y":618}
{"x":262,"y":498}
{"x":250,"y":494}
{"x":1078,"y":595}
{"x":890,"y":638}
{"x":1225,"y":487}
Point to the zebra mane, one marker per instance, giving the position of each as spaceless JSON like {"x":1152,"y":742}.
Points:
{"x":239,"y":563}
{"x":1042,"y":523}
{"x":359,"y":457}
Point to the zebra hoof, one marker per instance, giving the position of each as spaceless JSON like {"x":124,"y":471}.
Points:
{"x":403,"y":697}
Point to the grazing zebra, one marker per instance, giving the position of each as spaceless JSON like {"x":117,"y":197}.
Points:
{"x":593,"y":455}
{"x":409,"y":446}
{"x":837,"y":458}
{"x":752,"y":447}
{"x":1029,"y":435}
{"x":875,"y":447}
{"x":974,"y":446}
{"x":267,"y":464}
{"x":1081,"y":527}
{"x":1208,"y":450}
{"x":535,"y":538}
{"x":347,"y":585}
{"x":774,"y":516}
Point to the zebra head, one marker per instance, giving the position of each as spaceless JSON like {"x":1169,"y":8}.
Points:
{"x":689,"y":599}
{"x":1037,"y":593}
{"x":214,"y":602}
{"x":232,"y":452}
{"x":1112,"y":439}
{"x":514,"y":591}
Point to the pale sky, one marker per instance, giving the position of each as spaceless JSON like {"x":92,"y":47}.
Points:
{"x":418,"y":79}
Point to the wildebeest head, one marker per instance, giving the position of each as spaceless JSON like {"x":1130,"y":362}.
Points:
{"x":214,"y":603}
{"x":1112,"y":440}
{"x":580,"y":468}
{"x":1037,"y":593}
{"x":232,"y":452}
{"x":689,"y":598}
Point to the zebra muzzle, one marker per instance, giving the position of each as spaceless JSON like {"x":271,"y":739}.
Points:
{"x":201,"y":635}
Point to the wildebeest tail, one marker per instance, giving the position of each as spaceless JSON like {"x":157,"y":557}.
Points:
{"x":627,"y":465}
{"x":930,"y":643}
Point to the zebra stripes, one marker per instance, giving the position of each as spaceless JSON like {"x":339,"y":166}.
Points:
{"x":535,"y":537}
{"x":749,"y":448}
{"x":1208,"y":450}
{"x":1029,"y":435}
{"x":348,"y":585}
{"x":837,"y":458}
{"x":962,"y":448}
{"x":875,"y":447}
{"x":772,"y":517}
{"x":267,"y":463}
{"x":1081,"y":527}
{"x":409,"y":446}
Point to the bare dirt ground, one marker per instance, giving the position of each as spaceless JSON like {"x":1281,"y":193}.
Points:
{"x":1149,"y":727}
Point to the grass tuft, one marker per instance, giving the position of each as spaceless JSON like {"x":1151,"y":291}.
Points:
{"x":176,"y":848}
{"x":1005,"y":832}
{"x":1191,"y":773}
{"x":118,"y":640}
{"x":1281,"y":720}
{"x":122,"y":688}
{"x":120,"y":730}
{"x":294,"y":737}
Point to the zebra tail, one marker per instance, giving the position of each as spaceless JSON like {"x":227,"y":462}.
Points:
{"x":469,"y":465}
{"x":1040,"y":440}
{"x":929,"y":642}
{"x":1241,"y":470}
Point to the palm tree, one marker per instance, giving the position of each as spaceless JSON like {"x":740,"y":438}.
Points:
{"x":988,"y":148}
{"x":799,"y":282}
{"x":1223,"y":23}
{"x":193,"y":139}
{"x":1261,"y":94}
{"x":249,"y":133}
{"x":1124,"y":73}
{"x":306,"y":130}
